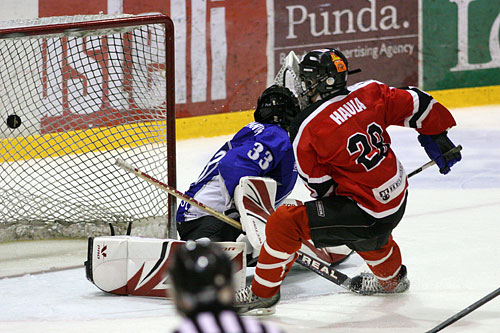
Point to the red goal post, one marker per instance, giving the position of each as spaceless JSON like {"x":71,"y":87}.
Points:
{"x":77,"y":92}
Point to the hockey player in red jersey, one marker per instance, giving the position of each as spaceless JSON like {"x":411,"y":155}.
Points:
{"x":260,"y":149}
{"x":344,"y":157}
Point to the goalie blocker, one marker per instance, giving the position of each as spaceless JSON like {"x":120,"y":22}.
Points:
{"x":126,"y":265}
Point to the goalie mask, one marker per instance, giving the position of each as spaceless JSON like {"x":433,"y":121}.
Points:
{"x":277,"y":105}
{"x":323,"y":72}
{"x":201,"y":274}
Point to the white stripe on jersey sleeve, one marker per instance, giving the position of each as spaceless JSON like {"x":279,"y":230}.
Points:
{"x":414,"y":96}
{"x":416,"y":106}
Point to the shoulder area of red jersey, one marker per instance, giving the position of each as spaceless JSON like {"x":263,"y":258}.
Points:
{"x":362,"y":84}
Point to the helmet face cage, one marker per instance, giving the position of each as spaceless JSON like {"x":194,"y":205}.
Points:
{"x":277,"y":105}
{"x":323,"y":72}
{"x":202,"y":277}
{"x":288,"y":76}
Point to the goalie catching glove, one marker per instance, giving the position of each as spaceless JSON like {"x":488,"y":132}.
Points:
{"x":436,"y":146}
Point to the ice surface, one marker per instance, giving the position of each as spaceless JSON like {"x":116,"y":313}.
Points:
{"x":449,"y":239}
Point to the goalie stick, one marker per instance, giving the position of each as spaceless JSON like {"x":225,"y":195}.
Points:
{"x":303,"y":259}
{"x":129,"y":168}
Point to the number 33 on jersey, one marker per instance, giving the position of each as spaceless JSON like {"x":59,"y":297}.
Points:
{"x":260,"y":154}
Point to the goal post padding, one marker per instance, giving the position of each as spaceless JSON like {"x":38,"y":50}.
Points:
{"x":77,"y":92}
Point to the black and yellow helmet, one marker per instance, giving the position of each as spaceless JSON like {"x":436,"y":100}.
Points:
{"x":323,"y":72}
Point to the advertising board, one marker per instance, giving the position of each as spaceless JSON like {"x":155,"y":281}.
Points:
{"x":461,"y":43}
{"x":378,"y":36}
{"x":228,"y":51}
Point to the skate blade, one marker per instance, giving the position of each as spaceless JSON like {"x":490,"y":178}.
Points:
{"x":261,"y":312}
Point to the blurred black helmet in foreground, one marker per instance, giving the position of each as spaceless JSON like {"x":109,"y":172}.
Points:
{"x":201,"y":274}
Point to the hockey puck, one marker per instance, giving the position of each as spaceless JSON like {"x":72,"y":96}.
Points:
{"x":13,"y":121}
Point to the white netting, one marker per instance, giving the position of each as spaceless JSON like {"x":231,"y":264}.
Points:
{"x":70,"y":104}
{"x":58,"y":20}
{"x":64,"y":20}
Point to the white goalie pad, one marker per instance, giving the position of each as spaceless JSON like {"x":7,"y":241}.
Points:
{"x":126,"y":265}
{"x":254,"y":198}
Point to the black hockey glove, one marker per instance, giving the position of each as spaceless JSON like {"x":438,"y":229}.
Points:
{"x":437,"y":145}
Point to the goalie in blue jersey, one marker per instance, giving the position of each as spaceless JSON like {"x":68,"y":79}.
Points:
{"x":262,"y":149}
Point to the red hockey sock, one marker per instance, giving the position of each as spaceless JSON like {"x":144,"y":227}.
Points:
{"x":285,"y":230}
{"x":385,"y":263}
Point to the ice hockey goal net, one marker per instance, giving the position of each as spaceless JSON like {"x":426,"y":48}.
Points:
{"x":77,"y":92}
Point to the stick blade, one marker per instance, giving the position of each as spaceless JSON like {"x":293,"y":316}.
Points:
{"x":124,"y":165}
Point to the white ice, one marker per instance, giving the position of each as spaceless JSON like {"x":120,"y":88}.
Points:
{"x":449,"y":240}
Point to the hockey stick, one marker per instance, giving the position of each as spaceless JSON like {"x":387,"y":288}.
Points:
{"x":432,"y":162}
{"x":127,"y":167}
{"x":338,"y":277}
{"x":465,"y":311}
{"x":303,"y":259}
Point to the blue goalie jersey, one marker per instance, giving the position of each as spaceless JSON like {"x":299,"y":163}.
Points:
{"x":262,"y":150}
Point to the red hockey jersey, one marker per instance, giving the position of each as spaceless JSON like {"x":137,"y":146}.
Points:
{"x":342,"y":146}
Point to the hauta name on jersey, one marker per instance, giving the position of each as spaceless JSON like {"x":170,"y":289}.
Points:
{"x":347,"y":110}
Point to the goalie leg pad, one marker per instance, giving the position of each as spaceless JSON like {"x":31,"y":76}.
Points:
{"x":254,"y":198}
{"x":126,"y":265}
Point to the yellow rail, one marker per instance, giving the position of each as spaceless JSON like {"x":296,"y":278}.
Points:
{"x":81,"y":141}
{"x":58,"y":144}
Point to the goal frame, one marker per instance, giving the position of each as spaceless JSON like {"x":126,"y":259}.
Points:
{"x":121,"y":22}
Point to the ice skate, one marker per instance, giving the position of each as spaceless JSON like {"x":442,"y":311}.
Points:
{"x":248,"y":303}
{"x":368,"y":284}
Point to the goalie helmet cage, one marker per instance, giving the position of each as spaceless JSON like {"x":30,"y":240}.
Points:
{"x":77,"y":92}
